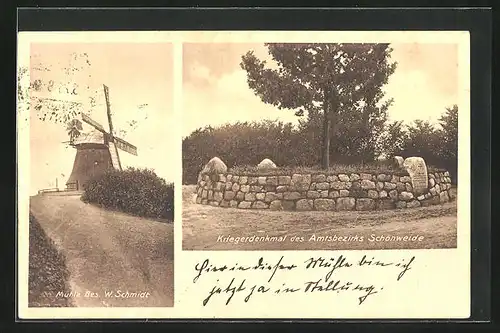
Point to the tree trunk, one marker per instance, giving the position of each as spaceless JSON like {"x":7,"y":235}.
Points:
{"x":326,"y":137}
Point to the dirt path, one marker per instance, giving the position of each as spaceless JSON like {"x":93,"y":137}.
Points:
{"x":109,"y":252}
{"x":203,"y":225}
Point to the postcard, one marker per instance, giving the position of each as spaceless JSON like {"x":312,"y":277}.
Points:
{"x":314,"y":174}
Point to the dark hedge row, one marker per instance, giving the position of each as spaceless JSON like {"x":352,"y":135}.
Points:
{"x":135,"y":191}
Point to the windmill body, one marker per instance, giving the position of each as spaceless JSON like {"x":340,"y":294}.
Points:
{"x":96,"y":152}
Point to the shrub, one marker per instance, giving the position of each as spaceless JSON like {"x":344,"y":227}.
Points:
{"x":135,"y":191}
{"x":375,"y":167}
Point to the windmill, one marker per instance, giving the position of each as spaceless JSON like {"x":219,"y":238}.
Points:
{"x":97,"y":151}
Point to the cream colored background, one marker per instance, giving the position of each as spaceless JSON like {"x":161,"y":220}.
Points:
{"x":437,"y":286}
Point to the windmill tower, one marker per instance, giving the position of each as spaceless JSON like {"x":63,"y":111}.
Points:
{"x":97,"y":151}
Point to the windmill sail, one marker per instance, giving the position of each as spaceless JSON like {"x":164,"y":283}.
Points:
{"x":113,"y":152}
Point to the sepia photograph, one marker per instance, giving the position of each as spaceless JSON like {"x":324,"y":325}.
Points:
{"x":319,"y":146}
{"x":101,"y":202}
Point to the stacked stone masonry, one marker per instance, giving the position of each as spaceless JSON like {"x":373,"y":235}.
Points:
{"x":303,"y":192}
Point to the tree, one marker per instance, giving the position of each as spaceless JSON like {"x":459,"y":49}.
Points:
{"x":449,"y":140}
{"x":326,"y":80}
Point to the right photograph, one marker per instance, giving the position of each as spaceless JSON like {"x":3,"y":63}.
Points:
{"x":322,"y":146}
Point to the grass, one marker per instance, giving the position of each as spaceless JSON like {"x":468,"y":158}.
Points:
{"x":203,"y":224}
{"x":374,"y":168}
{"x":48,"y":273}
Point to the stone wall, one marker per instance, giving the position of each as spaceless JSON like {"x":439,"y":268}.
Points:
{"x":302,"y":192}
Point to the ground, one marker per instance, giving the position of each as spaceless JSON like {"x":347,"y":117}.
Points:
{"x":105,"y":251}
{"x":203,"y":225}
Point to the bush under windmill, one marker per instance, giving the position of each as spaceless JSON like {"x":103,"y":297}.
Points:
{"x":135,"y":191}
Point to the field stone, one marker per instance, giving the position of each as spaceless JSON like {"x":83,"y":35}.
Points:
{"x":390,"y":186}
{"x":214,"y":203}
{"x":240,"y":196}
{"x":229,"y":195}
{"x":204,"y":194}
{"x":252,"y":180}
{"x":353,"y":177}
{"x":313,"y":194}
{"x":218,"y":196}
{"x":432,"y":182}
{"x":272,"y":180}
{"x":243,"y":180}
{"x":312,"y":187}
{"x":381,"y":177}
{"x":367,"y":184}
{"x":300,"y":182}
{"x":409,"y":188}
{"x":292,"y":195}
{"x":276,"y":205}
{"x":210,"y":195}
{"x":270,"y":188}
{"x":233,"y":203}
{"x":324,"y":204}
{"x":259,"y":205}
{"x":284,"y":180}
{"x":443,"y":196}
{"x":431,"y":175}
{"x":229,"y":185}
{"x":266,"y":164}
{"x":380,"y":185}
{"x":393,"y":194}
{"x":222,"y":178}
{"x":343,"y":177}
{"x":224,"y":203}
{"x":452,"y":194}
{"x":198,"y":200}
{"x":271,"y":196}
{"x":256,"y":188}
{"x":304,"y":204}
{"x":204,"y":201}
{"x":261,"y":180}
{"x":245,"y":204}
{"x":250,"y":196}
{"x":401,"y":204}
{"x":447,"y":174}
{"x":235,"y":187}
{"x":324,"y":194}
{"x":345,"y":203}
{"x":398,"y":161}
{"x":332,"y":178}
{"x":365,"y":176}
{"x":372,"y":194}
{"x":384,"y":204}
{"x":245,"y":188}
{"x":413,"y":204}
{"x":229,"y":178}
{"x":383,"y":194}
{"x":337,"y":185}
{"x":394,"y":179}
{"x":344,"y":193}
{"x":421,"y":197}
{"x":281,"y":188}
{"x":333,"y":194}
{"x":365,"y":204}
{"x":322,"y":186}
{"x":400,"y":186}
{"x":260,"y":196}
{"x":405,"y":196}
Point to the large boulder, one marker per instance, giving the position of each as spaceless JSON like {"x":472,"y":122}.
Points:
{"x":398,"y":161}
{"x":214,"y":166}
{"x":266,"y":164}
{"x":417,"y":169}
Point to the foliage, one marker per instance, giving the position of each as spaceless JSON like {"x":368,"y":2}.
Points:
{"x":48,"y":273}
{"x":135,"y":191}
{"x":437,"y":145}
{"x":339,"y":84}
{"x":242,"y":146}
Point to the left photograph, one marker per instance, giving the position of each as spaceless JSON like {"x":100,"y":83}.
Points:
{"x":101,"y":182}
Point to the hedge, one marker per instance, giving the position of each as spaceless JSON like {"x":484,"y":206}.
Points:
{"x":138,"y":192}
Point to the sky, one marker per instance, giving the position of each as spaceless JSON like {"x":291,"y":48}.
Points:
{"x":140,"y":81}
{"x":215,"y":90}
